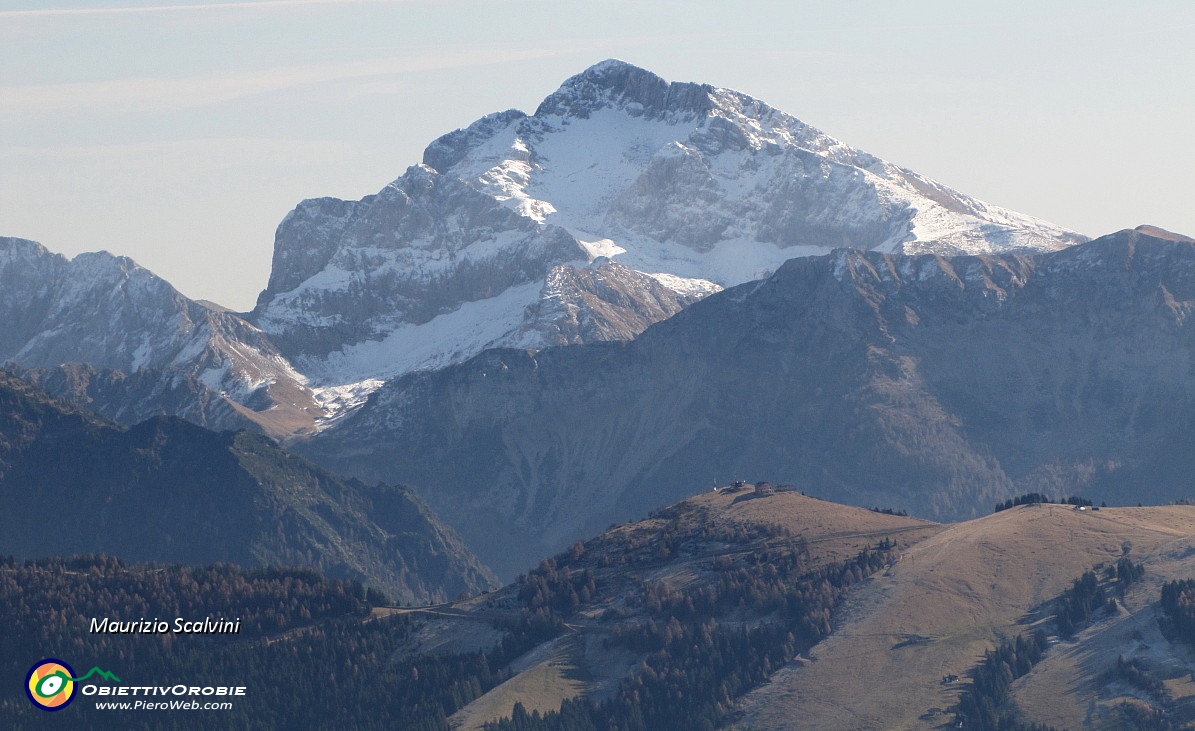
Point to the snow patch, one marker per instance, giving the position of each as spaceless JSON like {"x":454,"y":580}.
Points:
{"x":213,"y":378}
{"x":340,"y":401}
{"x":686,"y":286}
{"x":447,"y":339}
{"x":601,"y":247}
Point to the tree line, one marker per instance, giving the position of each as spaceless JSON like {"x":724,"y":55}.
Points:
{"x":694,"y":666}
{"x":985,"y":703}
{"x":1034,"y":498}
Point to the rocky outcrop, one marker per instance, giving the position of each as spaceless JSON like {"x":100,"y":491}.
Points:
{"x":423,"y":246}
{"x":606,"y":301}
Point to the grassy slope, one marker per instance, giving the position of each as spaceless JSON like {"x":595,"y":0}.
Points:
{"x":957,"y":590}
{"x":948,"y":600}
{"x":1068,"y":688}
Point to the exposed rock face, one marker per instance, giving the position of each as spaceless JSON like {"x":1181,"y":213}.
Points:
{"x":605,"y":301}
{"x":939,"y":385}
{"x":423,"y":246}
{"x":161,"y":352}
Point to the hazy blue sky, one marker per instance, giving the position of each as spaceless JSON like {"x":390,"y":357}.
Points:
{"x":180,"y":134}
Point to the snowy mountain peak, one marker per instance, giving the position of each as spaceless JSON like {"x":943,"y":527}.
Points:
{"x":622,"y":200}
{"x":617,"y":84}
{"x":684,"y":187}
{"x":104,"y":266}
{"x":13,"y":247}
{"x":449,"y":149}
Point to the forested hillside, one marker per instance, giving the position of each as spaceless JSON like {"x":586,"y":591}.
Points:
{"x":167,"y":490}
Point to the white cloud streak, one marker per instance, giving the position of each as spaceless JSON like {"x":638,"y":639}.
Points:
{"x":148,"y":94}
{"x":190,"y":154}
{"x":128,"y":10}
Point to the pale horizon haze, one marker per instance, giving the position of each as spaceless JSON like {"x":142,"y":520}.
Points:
{"x":181,"y":133}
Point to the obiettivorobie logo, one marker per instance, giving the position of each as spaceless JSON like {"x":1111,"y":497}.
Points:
{"x":50,"y":684}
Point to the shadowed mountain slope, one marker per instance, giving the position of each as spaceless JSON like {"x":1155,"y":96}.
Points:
{"x":169,"y":491}
{"x":936,"y":384}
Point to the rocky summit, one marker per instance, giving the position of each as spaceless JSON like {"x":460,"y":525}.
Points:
{"x":488,"y":241}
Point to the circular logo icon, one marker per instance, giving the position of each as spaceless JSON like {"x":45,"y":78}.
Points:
{"x":49,"y":685}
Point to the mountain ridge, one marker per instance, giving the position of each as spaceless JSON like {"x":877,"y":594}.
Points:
{"x":939,"y":385}
{"x":117,"y":318}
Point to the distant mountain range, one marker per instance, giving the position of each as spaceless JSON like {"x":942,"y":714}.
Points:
{"x":117,"y":339}
{"x":620,"y":201}
{"x":169,"y":491}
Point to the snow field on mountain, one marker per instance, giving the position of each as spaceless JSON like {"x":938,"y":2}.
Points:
{"x":449,"y":338}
